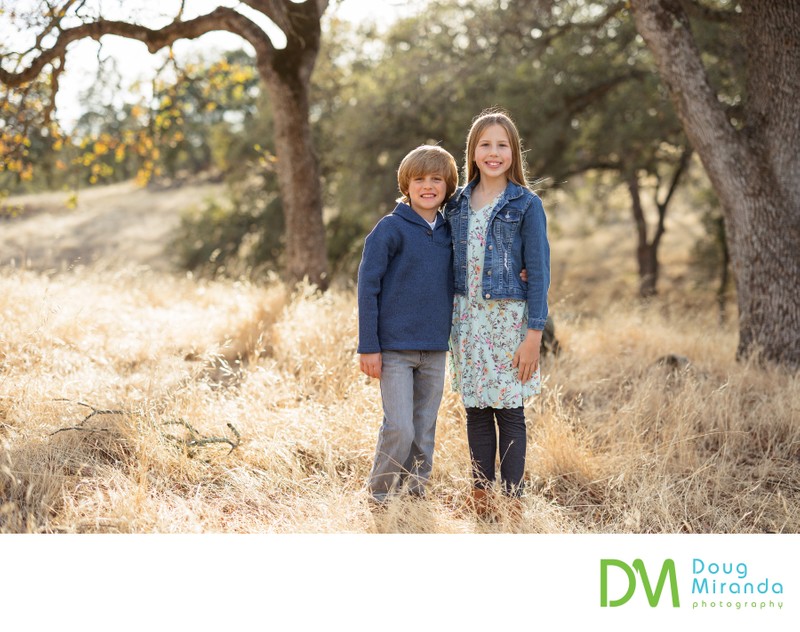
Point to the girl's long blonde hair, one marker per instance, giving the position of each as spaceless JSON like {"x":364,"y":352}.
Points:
{"x":487,"y":118}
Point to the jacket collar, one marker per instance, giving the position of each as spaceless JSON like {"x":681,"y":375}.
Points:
{"x":409,"y":214}
{"x":512,"y":191}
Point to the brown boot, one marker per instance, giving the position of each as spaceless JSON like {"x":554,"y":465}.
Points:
{"x":479,"y":502}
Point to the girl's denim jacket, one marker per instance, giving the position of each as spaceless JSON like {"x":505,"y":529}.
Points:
{"x":516,"y":239}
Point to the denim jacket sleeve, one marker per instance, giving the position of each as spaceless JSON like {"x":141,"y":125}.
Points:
{"x":536,"y":260}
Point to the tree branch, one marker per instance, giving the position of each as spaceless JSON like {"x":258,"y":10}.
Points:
{"x":221,"y":19}
{"x":274,"y":10}
{"x":552,"y":32}
{"x":196,"y":439}
{"x":579,"y":102}
{"x":683,"y":163}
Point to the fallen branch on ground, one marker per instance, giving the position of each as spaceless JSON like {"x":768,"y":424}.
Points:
{"x":196,"y":440}
{"x":199,"y":440}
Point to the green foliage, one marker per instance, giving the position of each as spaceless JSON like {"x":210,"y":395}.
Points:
{"x":345,"y":238}
{"x":574,"y":75}
{"x":582,"y":91}
{"x":241,"y":237}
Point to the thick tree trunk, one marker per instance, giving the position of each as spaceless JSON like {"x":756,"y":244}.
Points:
{"x":755,"y":171}
{"x":287,"y":75}
{"x":299,"y":182}
{"x":765,"y":253}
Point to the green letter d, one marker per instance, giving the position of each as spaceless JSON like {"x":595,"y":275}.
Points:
{"x":604,"y":602}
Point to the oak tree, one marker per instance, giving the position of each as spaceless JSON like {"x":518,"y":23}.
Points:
{"x":285,"y":72}
{"x":749,"y":152}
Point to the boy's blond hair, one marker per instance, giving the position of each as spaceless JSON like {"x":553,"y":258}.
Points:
{"x":426,"y":160}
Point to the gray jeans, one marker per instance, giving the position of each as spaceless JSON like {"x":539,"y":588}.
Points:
{"x":411,"y":389}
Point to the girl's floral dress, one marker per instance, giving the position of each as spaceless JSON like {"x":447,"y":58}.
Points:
{"x":486,"y":334}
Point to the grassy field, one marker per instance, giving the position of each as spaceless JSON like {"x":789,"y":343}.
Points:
{"x":134,"y":399}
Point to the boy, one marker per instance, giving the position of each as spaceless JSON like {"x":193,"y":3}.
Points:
{"x":405,"y":303}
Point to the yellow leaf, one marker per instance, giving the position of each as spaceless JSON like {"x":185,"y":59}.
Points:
{"x":241,"y":76}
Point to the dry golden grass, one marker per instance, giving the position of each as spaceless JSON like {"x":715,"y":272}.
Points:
{"x":110,"y":380}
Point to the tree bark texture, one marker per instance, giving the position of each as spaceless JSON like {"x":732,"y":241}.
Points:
{"x":755,"y":169}
{"x":287,"y":75}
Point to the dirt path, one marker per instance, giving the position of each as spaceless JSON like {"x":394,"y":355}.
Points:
{"x":114,"y":225}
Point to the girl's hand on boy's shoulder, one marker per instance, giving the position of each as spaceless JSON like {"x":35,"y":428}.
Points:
{"x":371,"y":364}
{"x":524,"y":275}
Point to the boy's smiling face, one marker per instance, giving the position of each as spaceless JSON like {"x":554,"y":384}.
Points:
{"x":426,"y":193}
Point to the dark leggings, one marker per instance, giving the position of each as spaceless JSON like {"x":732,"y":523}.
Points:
{"x":483,"y":444}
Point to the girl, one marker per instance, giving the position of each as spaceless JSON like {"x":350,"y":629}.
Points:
{"x":498,"y":229}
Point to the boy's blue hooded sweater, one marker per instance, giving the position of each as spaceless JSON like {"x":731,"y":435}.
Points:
{"x":405,"y":285}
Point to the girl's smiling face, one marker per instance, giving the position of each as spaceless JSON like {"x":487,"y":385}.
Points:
{"x":493,"y":155}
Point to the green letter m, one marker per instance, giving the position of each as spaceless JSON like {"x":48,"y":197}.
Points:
{"x":667,"y":569}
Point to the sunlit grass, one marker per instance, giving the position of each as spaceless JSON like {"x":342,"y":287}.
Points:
{"x":102,"y":375}
{"x":136,"y":400}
